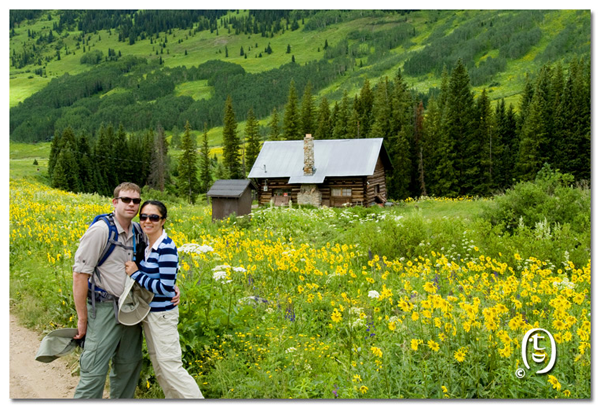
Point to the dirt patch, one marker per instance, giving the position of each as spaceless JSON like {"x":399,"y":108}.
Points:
{"x":30,"y":379}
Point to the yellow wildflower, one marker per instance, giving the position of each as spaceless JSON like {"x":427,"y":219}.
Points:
{"x":554,"y":381}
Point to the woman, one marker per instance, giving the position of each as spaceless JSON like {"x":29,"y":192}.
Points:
{"x":157,"y":273}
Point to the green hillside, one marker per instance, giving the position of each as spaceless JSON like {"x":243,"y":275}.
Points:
{"x":466,"y":102}
{"x":365,"y":45}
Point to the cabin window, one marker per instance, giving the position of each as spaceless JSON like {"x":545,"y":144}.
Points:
{"x":341,"y":192}
{"x":376,"y":189}
{"x":282,"y":192}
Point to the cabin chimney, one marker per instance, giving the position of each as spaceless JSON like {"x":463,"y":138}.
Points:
{"x":309,"y":155}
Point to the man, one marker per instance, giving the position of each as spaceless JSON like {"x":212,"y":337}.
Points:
{"x":105,"y":339}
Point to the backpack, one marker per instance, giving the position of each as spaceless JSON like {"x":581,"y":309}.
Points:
{"x":112,"y":242}
{"x":113,"y":238}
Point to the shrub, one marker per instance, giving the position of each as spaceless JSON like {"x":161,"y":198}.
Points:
{"x":551,"y":198}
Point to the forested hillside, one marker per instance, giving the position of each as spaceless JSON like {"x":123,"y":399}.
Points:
{"x":467,"y":101}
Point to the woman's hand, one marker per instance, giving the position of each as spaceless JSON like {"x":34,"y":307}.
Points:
{"x":175,"y":299}
{"x":130,"y":267}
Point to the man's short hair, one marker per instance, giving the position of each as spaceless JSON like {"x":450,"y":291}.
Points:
{"x":127,"y":187}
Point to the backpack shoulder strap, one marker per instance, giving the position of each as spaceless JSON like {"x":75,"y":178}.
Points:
{"x":113,"y":237}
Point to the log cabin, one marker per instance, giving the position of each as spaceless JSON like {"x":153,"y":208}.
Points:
{"x":331,"y":173}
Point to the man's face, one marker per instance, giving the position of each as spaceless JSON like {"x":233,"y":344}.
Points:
{"x":127,"y":210}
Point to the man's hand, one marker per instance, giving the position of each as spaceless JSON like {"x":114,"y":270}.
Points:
{"x":175,"y":299}
{"x":80,"y":290}
{"x":81,"y":328}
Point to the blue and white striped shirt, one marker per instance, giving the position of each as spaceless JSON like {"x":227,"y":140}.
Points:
{"x":158,"y":273}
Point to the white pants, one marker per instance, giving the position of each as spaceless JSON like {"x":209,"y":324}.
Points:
{"x":162,"y":339}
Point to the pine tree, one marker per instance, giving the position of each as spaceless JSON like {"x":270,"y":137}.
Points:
{"x":274,"y":126}
{"x":188,"y":184}
{"x":419,"y":134}
{"x":526,"y":97}
{"x":323,"y":130}
{"x":252,"y":139}
{"x":508,"y":143}
{"x":66,"y":170}
{"x":537,"y":129}
{"x":141,"y":147}
{"x":307,"y":111}
{"x":231,"y":143}
{"x":175,"y":138}
{"x":160,"y":164}
{"x":573,"y":147}
{"x":364,"y":107}
{"x":342,"y":117}
{"x":382,"y":111}
{"x":460,"y":128}
{"x":85,"y":164}
{"x":430,"y":145}
{"x":488,"y":147}
{"x":403,"y":121}
{"x":398,"y":181}
{"x":530,"y":159}
{"x":59,"y":180}
{"x":54,"y":152}
{"x":59,"y":143}
{"x":353,"y":129}
{"x":544,"y":87}
{"x":124,"y":166}
{"x":291,"y":121}
{"x":205,"y":176}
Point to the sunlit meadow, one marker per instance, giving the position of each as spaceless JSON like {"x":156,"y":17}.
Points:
{"x":304,"y":303}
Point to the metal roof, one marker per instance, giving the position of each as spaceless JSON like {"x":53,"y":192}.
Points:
{"x":333,"y":158}
{"x":228,"y":188}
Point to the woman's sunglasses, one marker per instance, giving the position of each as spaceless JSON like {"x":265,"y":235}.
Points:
{"x":127,"y":200}
{"x":151,"y":217}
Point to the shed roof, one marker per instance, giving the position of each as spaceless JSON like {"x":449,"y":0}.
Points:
{"x":333,"y":158}
{"x":228,"y":188}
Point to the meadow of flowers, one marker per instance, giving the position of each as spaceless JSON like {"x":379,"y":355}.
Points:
{"x":303,"y":303}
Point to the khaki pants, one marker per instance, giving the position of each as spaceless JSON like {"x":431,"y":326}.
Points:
{"x":162,"y":339}
{"x":105,"y":341}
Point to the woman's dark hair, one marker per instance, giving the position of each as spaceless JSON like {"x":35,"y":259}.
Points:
{"x":161,"y":207}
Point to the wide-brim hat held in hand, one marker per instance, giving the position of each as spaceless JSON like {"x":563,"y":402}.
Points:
{"x":57,"y":343}
{"x":134,"y":303}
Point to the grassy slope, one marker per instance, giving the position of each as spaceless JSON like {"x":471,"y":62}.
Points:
{"x":306,"y":46}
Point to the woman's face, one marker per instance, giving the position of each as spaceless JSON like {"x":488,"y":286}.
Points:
{"x":151,"y":227}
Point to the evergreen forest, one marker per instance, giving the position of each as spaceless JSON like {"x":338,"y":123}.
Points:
{"x":468,"y":103}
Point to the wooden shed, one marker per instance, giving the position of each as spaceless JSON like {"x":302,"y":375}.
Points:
{"x":322,"y":172}
{"x":231,"y":196}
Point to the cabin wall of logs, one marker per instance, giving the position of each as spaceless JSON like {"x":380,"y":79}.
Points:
{"x":335,"y":191}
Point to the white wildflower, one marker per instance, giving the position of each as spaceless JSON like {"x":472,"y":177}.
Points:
{"x":355,"y":311}
{"x":195,"y":249}
{"x":221,"y":276}
{"x":358,"y":323}
{"x":373,"y":294}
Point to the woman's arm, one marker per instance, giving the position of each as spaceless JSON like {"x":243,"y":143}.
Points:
{"x":164,"y":262}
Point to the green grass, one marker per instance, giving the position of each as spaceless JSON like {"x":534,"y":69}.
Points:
{"x":22,"y":87}
{"x":22,"y":156}
{"x":310,"y":264}
{"x":444,"y":208}
{"x":195,"y":89}
{"x":188,"y":50}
